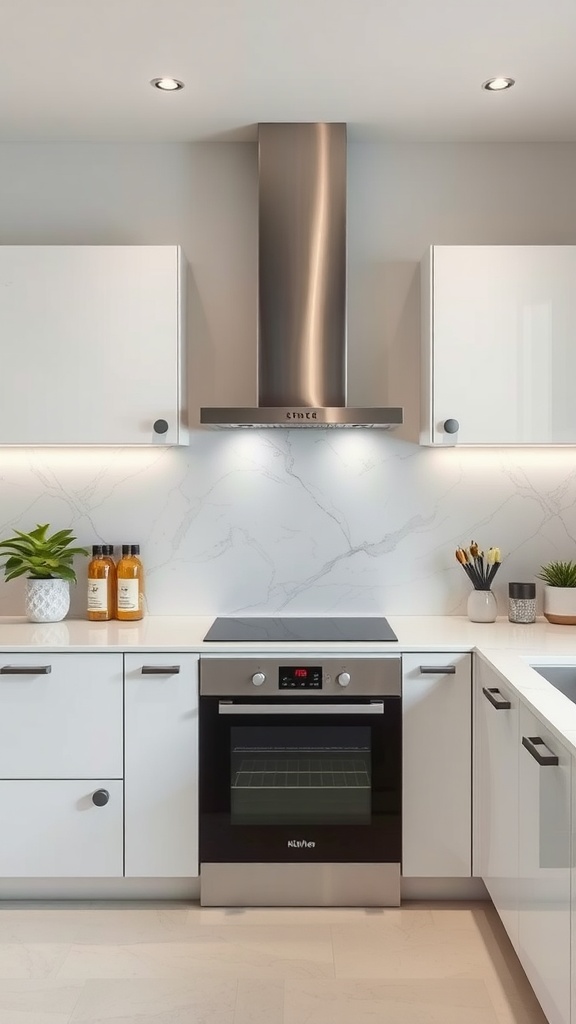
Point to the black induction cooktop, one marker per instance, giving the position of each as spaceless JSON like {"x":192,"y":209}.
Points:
{"x":300,"y":630}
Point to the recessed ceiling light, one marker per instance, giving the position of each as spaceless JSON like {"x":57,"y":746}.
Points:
{"x":497,"y":84}
{"x":167,"y":84}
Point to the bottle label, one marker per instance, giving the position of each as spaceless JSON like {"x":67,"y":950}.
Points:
{"x":97,"y":596}
{"x":128,"y":596}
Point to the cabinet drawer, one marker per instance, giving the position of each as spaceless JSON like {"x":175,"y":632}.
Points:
{"x":60,"y":716}
{"x":54,"y":829}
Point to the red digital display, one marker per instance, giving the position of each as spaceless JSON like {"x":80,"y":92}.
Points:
{"x":309,"y":678}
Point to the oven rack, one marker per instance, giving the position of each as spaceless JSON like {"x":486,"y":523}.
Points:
{"x":303,"y":774}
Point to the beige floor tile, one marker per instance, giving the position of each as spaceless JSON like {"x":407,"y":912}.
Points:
{"x":372,"y":1002}
{"x":177,"y":963}
{"x":511,"y":993}
{"x":421,"y":951}
{"x":280,"y":916}
{"x":31,"y":960}
{"x":33,"y":1017}
{"x":131,"y":924}
{"x":260,"y":1002}
{"x":252,"y":952}
{"x":39,"y":922}
{"x":34,"y":995}
{"x":456,"y":917}
{"x":197,"y":1001}
{"x":93,"y":922}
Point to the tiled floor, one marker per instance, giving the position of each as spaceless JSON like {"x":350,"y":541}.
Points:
{"x":142,"y":963}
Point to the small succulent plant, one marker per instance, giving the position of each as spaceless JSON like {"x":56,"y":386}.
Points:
{"x":558,"y":574}
{"x":39,"y":555}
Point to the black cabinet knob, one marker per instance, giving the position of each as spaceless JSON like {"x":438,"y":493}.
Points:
{"x":451,"y":426}
{"x":160,"y":426}
{"x":100,"y":797}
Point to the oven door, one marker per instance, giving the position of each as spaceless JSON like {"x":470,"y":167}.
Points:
{"x":286,"y":780}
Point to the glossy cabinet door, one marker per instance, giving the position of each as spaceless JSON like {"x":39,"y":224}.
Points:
{"x":545,"y":867}
{"x":60,"y":716}
{"x":161,"y":765}
{"x":54,"y":829}
{"x":498,"y":354}
{"x":495,"y":853}
{"x":573,"y":889}
{"x":436,"y":765}
{"x":93,"y":343}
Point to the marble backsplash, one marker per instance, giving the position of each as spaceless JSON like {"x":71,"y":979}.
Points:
{"x":299,"y":521}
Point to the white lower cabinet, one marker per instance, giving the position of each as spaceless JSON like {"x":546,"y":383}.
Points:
{"x":161,"y":765}
{"x":437,"y":765}
{"x":58,"y":828}
{"x":544,"y":865}
{"x":495,"y":855}
{"x":60,"y":716}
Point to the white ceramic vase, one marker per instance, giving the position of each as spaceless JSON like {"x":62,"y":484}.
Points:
{"x":560,"y":605}
{"x":482,"y":606}
{"x":47,"y":600}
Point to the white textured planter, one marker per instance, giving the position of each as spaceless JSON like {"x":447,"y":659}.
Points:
{"x":560,"y":605}
{"x":47,"y":600}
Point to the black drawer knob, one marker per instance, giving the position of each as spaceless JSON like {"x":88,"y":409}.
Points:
{"x":160,"y":426}
{"x":451,"y":426}
{"x":100,"y":797}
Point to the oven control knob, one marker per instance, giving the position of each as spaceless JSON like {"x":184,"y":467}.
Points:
{"x":258,"y":678}
{"x":343,"y":679}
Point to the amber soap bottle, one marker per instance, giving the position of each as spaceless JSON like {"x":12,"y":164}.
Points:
{"x":108,"y":554}
{"x":130,"y":584}
{"x":100,"y":593}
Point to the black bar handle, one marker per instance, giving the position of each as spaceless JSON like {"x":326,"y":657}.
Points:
{"x":532,"y":743}
{"x":433,"y":670}
{"x":490,"y":693}
{"x":160,"y":670}
{"x":25,"y":670}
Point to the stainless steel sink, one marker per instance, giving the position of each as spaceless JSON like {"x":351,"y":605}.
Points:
{"x":562,"y":677}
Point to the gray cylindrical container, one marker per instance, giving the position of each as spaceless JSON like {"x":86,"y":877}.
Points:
{"x":522,"y":602}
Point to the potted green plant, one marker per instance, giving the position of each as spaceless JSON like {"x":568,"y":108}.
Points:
{"x":46,"y":560}
{"x":559,"y":592}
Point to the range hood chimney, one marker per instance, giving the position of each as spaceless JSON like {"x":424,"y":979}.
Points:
{"x":302,"y":285}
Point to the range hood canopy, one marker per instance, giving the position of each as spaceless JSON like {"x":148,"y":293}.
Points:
{"x":302,"y":285}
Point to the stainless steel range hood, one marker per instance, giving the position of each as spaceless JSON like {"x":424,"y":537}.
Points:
{"x":302,"y":285}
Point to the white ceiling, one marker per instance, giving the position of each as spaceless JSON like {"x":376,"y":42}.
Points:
{"x":392,"y":69}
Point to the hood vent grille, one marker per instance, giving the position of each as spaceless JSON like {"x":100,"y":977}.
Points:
{"x":302,"y":285}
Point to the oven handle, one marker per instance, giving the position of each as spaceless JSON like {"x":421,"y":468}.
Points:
{"x":227,"y":708}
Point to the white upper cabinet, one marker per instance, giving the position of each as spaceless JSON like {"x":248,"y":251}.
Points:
{"x":93,"y":340}
{"x":499,"y":352}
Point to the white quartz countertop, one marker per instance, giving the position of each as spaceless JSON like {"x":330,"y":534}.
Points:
{"x":185,"y":633}
{"x":507,"y":647}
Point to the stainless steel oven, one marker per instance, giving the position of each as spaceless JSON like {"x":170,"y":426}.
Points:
{"x":300,"y":781}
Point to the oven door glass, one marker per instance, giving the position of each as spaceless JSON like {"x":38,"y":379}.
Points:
{"x":300,"y":775}
{"x":320,"y":786}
